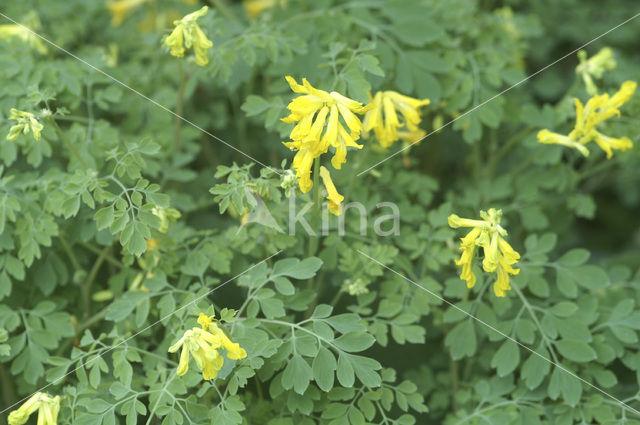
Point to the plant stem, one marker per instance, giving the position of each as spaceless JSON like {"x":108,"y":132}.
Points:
{"x":67,"y":142}
{"x":86,"y":286}
{"x":67,"y":249}
{"x":109,"y":258}
{"x":221,"y":6}
{"x":506,"y":147}
{"x":177,"y":122}
{"x":8,"y":394}
{"x":85,"y":325}
{"x":336,"y":298}
{"x":315,"y":212}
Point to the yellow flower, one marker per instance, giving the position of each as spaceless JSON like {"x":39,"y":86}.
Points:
{"x":152,"y":244}
{"x":383,"y":118}
{"x":47,"y":407}
{"x":205,"y":321}
{"x":499,"y":256}
{"x":120,"y":9}
{"x":187,"y":34}
{"x":32,"y":22}
{"x":167,"y":216}
{"x":597,"y":110}
{"x":594,"y":67}
{"x":25,"y":121}
{"x":317,"y":114}
{"x":335,"y":199}
{"x":202,"y":345}
{"x":255,"y":7}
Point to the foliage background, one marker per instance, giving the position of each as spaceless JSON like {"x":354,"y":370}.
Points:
{"x":71,"y":234}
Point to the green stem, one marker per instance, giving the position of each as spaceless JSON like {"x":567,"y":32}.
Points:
{"x":107,"y":257}
{"x":222,"y":7}
{"x":536,"y":321}
{"x":8,"y":394}
{"x":85,"y":325}
{"x":67,"y":142}
{"x":86,"y":286}
{"x":506,"y":147}
{"x":177,"y":122}
{"x":315,"y":212}
{"x":336,"y":298}
{"x":70,"y":254}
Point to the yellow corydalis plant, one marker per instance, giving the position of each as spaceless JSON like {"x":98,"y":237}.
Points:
{"x":594,"y":67}
{"x":202,"y":344}
{"x":47,"y":407}
{"x":596,"y":111}
{"x":499,"y":256}
{"x":317,"y":114}
{"x":187,"y":34}
{"x":383,"y":118}
{"x":25,"y":122}
{"x":120,"y":9}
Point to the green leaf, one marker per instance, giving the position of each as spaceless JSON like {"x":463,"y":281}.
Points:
{"x":577,"y":351}
{"x":563,"y":383}
{"x":564,"y":309}
{"x":506,"y":359}
{"x":254,"y":105}
{"x":133,"y":237}
{"x":354,"y":342}
{"x":345,"y":372}
{"x":292,"y":267}
{"x":461,"y":340}
{"x":535,"y":368}
{"x":324,"y":367}
{"x":575,"y":257}
{"x":418,"y":31}
{"x":297,"y":374}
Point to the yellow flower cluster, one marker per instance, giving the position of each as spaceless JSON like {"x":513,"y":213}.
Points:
{"x":594,"y":67}
{"x":46,"y":406}
{"x":317,"y":116}
{"x":11,"y":31}
{"x":499,"y":256}
{"x":597,"y":110}
{"x":203,"y":344}
{"x":326,"y":120}
{"x":120,"y":9}
{"x":188,"y":33}
{"x":383,"y":118}
{"x":25,"y":121}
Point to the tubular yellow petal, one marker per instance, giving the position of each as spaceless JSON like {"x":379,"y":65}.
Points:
{"x":176,"y":41}
{"x":335,"y":199}
{"x":200,"y":46}
{"x":183,"y":364}
{"x":351,"y":120}
{"x":607,"y":144}
{"x":301,"y":130}
{"x":547,"y":137}
{"x":295,"y":87}
{"x":510,"y":255}
{"x":455,"y":221}
{"x":315,"y":132}
{"x":332,"y":127}
{"x":373,"y":117}
{"x":304,"y":105}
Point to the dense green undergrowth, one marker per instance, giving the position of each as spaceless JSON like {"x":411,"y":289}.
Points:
{"x":120,"y":222}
